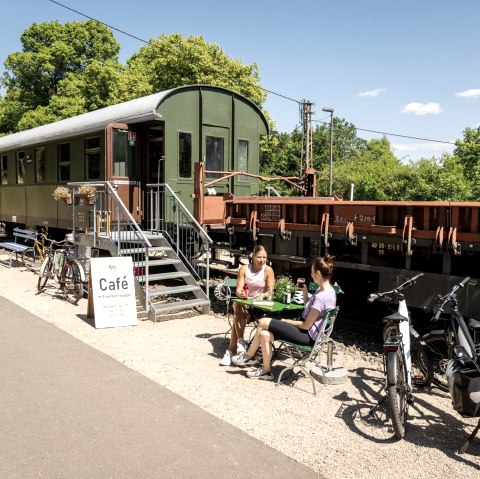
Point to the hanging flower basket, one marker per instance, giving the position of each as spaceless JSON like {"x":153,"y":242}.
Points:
{"x":87,"y":193}
{"x":63,"y":193}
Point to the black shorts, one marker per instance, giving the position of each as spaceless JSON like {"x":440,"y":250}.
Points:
{"x":289,"y":332}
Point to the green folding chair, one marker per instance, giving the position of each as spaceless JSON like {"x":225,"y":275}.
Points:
{"x":301,"y":355}
{"x":225,"y":292}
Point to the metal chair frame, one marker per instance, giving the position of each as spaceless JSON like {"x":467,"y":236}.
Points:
{"x":301,"y":355}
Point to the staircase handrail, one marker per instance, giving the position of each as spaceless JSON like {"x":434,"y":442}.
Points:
{"x":134,"y":224}
{"x":185,"y":210}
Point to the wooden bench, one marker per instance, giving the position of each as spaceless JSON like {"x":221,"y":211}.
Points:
{"x":23,"y":239}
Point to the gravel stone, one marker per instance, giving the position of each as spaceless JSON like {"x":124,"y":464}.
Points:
{"x":333,"y":432}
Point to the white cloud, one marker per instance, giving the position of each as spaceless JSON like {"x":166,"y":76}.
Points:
{"x":421,"y":109}
{"x":424,"y":146}
{"x":375,"y":92}
{"x":473,"y":93}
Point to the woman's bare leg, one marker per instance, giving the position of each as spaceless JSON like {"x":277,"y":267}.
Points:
{"x":262,"y":326}
{"x":240,"y":317}
{"x":266,"y":340}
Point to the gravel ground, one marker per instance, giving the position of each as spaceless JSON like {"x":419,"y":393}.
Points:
{"x":331,"y":432}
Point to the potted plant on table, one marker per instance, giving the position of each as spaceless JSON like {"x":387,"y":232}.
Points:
{"x":63,"y":193}
{"x":283,"y":285}
{"x":87,"y":193}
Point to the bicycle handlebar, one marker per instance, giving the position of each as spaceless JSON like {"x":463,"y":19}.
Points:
{"x":450,"y":297}
{"x":396,"y":291}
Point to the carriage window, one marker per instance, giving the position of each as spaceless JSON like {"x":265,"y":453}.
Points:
{"x":63,"y":161}
{"x":184,"y":155}
{"x":242,"y":158}
{"x":92,"y":158}
{"x":20,"y":167}
{"x":123,"y":153}
{"x":39,"y":155}
{"x":214,"y":159}
{"x":3,"y":170}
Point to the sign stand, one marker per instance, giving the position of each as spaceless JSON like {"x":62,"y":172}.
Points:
{"x":111,"y":292}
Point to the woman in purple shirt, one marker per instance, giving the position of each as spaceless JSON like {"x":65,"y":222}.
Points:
{"x":303,"y":332}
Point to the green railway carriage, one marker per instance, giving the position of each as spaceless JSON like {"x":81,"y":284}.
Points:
{"x":156,"y":138}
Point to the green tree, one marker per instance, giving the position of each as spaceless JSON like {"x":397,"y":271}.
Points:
{"x":346,"y":143}
{"x":437,"y":179}
{"x":375,"y":171}
{"x":280,"y":156}
{"x":467,"y":151}
{"x":61,"y":70}
{"x":170,"y":61}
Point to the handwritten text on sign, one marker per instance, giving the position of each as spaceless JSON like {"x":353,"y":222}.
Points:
{"x":113,"y":292}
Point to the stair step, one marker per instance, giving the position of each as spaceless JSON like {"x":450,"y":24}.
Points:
{"x":131,"y":236}
{"x":191,"y":303}
{"x":173,"y":290}
{"x":158,"y":262}
{"x":153,"y":249}
{"x":172,"y":275}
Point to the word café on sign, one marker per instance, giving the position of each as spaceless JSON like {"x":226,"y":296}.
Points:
{"x":113,"y":292}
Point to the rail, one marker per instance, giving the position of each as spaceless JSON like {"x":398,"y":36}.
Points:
{"x":168,"y":215}
{"x":109,"y":218}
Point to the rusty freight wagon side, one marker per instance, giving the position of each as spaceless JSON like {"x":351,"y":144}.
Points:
{"x":376,"y":243}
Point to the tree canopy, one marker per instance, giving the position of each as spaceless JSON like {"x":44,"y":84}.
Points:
{"x":62,"y":70}
{"x":170,"y":61}
{"x":67,"y":69}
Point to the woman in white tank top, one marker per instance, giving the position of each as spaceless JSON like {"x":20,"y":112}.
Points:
{"x":259,"y":278}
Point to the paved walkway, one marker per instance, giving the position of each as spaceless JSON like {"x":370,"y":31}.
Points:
{"x":69,"y":411}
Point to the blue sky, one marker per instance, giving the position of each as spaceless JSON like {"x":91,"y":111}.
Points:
{"x":406,"y":67}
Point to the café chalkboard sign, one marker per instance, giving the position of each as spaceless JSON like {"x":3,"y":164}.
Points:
{"x":112,"y":292}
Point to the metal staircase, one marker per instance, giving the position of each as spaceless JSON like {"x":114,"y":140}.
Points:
{"x":171,"y":274}
{"x":167,"y":283}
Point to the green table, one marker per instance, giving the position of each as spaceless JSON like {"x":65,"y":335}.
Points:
{"x":275,"y":308}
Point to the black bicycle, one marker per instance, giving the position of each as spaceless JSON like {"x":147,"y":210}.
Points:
{"x":439,"y":343}
{"x":60,"y":265}
{"x":463,"y":366}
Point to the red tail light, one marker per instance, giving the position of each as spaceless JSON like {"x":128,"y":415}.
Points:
{"x":390,"y":347}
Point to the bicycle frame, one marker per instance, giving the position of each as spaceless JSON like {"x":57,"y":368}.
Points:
{"x":397,"y":358}
{"x":400,"y":340}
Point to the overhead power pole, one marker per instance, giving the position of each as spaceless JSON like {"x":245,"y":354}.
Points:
{"x":307,"y":143}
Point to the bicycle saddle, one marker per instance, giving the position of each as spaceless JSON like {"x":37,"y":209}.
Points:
{"x":474,"y":323}
{"x":394,"y":318}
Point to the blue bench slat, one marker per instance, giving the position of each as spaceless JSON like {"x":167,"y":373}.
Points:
{"x":15,"y":247}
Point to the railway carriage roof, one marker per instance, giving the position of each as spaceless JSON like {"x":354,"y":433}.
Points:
{"x":133,"y":111}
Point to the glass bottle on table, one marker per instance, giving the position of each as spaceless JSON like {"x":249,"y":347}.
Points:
{"x":245,"y":291}
{"x":288,"y":295}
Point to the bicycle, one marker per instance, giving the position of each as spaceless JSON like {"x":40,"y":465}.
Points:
{"x":397,"y":357}
{"x":60,"y":264}
{"x":37,"y":251}
{"x":438,"y":344}
{"x":463,"y":366}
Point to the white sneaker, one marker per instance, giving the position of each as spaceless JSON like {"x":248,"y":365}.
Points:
{"x":243,"y":360}
{"x":260,"y":374}
{"x":242,"y":346}
{"x":227,"y":359}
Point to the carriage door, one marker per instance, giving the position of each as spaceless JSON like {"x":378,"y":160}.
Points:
{"x":155,"y":176}
{"x":216,"y":149}
{"x":121,"y":166}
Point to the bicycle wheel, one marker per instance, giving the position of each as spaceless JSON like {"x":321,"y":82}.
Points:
{"x":28,"y":258}
{"x":422,"y":367}
{"x":45,"y":273}
{"x":436,"y":348}
{"x":71,"y":280}
{"x":397,"y":393}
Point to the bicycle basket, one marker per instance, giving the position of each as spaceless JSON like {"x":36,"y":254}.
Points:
{"x":464,"y":387}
